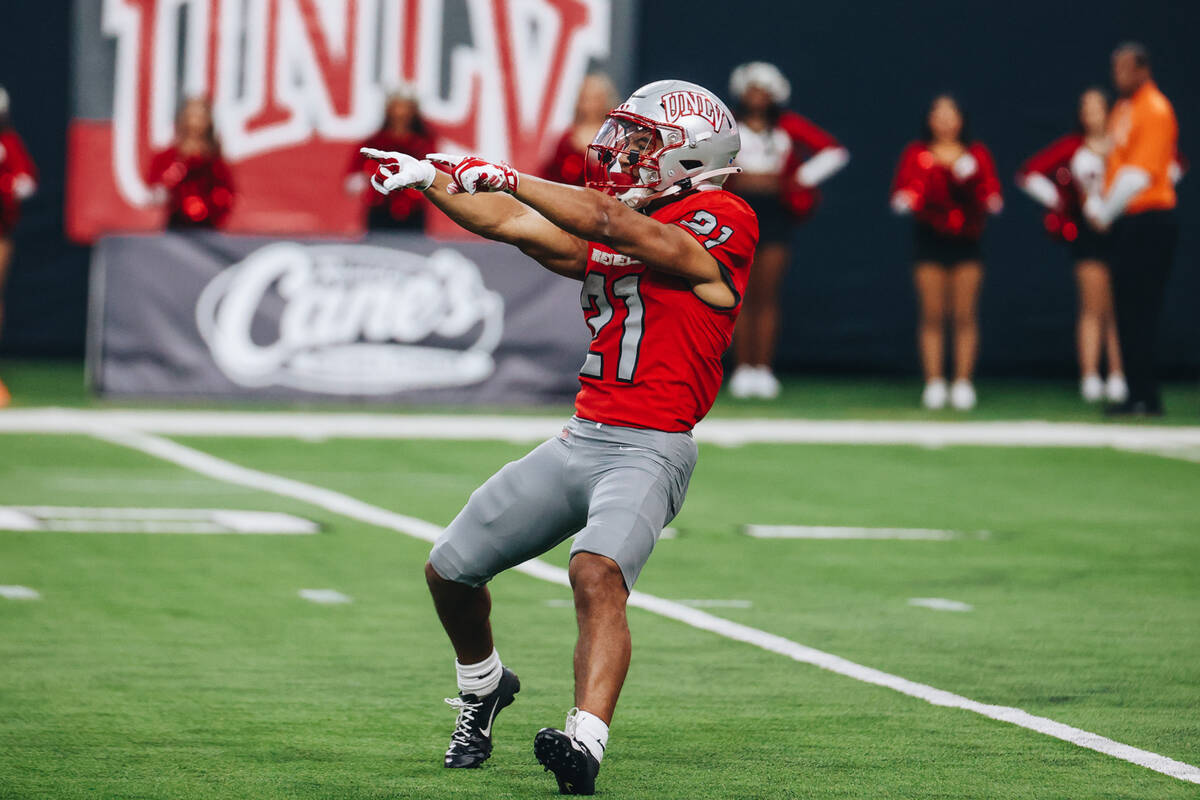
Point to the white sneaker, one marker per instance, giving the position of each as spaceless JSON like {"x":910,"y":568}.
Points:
{"x":962,"y":395}
{"x":766,"y":385}
{"x":1116,"y":390}
{"x":1092,"y":389}
{"x":934,"y":396}
{"x":744,"y":382}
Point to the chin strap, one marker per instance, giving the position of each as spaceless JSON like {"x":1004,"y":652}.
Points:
{"x":684,"y":185}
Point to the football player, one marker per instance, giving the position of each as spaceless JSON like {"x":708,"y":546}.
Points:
{"x":663,"y":254}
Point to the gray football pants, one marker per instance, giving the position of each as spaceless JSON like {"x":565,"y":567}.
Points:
{"x":614,"y":486}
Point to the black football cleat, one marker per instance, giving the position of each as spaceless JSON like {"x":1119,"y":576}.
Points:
{"x":573,"y":765}
{"x":471,"y":742}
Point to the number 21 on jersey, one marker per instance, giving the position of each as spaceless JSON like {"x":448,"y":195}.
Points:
{"x":599,"y":309}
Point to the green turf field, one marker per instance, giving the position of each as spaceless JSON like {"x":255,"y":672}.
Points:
{"x":179,"y":666}
{"x":61,"y":383}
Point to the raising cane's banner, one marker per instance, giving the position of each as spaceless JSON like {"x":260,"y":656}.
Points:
{"x":390,"y":317}
{"x":297,"y":84}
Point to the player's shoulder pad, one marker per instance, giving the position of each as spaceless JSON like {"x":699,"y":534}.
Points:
{"x":709,"y":199}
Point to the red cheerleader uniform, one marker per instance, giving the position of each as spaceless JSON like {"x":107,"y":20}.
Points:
{"x":199,"y":187}
{"x":18,"y":178}
{"x":566,"y":164}
{"x":404,"y":210}
{"x":1074,"y":172}
{"x":950,"y":203}
{"x":781,"y":151}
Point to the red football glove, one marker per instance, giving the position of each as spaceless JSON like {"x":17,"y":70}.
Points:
{"x":472,"y":174}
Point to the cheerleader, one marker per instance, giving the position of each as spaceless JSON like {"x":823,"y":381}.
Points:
{"x":1062,"y":177}
{"x":192,"y":178}
{"x":597,"y":96}
{"x":18,"y":181}
{"x":948,"y":183}
{"x":783,"y":159}
{"x":404,"y":131}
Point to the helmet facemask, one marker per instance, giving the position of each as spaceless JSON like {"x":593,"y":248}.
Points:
{"x":624,"y":158}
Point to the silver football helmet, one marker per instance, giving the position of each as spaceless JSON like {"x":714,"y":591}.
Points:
{"x":667,"y":138}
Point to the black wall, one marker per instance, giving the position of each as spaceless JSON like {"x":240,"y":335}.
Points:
{"x":866,"y":71}
{"x":46,"y":299}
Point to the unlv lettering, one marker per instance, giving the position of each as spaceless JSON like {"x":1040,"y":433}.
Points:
{"x":283,"y":73}
{"x":692,"y":104}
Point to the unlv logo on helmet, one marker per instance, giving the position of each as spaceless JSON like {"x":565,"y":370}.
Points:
{"x":693,"y":104}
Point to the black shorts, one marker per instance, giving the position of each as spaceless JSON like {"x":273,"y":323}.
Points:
{"x":1090,"y":245}
{"x":774,"y":222}
{"x":930,"y":245}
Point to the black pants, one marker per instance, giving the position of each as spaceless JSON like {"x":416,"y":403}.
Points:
{"x":1143,"y":247}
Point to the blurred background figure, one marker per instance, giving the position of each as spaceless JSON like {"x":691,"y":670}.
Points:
{"x":1139,"y":203}
{"x":403,"y":131}
{"x":18,"y":181}
{"x":948,"y":183}
{"x":597,"y":96}
{"x":191,"y":176}
{"x":1062,"y":177}
{"x":783,"y":159}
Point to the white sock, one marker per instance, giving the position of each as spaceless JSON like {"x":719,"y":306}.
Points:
{"x":482,"y":678}
{"x":589,"y":730}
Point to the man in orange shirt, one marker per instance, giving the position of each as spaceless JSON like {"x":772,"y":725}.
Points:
{"x":1139,"y":205}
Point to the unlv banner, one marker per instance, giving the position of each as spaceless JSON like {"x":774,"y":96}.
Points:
{"x":392,"y":317}
{"x":296,"y":84}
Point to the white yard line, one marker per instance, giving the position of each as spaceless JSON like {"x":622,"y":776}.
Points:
{"x":1171,"y":441}
{"x":940,"y":604}
{"x":228,"y":472}
{"x":76,"y":519}
{"x":326,"y":597}
{"x":838,"y":532}
{"x":13,"y":592}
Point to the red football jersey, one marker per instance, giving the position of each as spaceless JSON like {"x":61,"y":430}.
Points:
{"x":655,"y":357}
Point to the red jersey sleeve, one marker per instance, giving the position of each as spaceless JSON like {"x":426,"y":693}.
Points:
{"x":1051,"y":158}
{"x":805,"y":133}
{"x":908,"y":173}
{"x":989,"y":180}
{"x":156,"y":172}
{"x":14,"y":158}
{"x":727,"y":227}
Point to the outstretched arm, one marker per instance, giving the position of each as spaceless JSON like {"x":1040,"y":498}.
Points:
{"x":501,"y":218}
{"x":598,"y":217}
{"x":494,"y":216}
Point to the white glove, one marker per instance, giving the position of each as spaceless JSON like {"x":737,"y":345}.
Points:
{"x":821,"y":166}
{"x":398,"y":171}
{"x":24,"y":187}
{"x":964,"y":166}
{"x":1093,"y":212}
{"x":472,"y":174}
{"x":902,"y":201}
